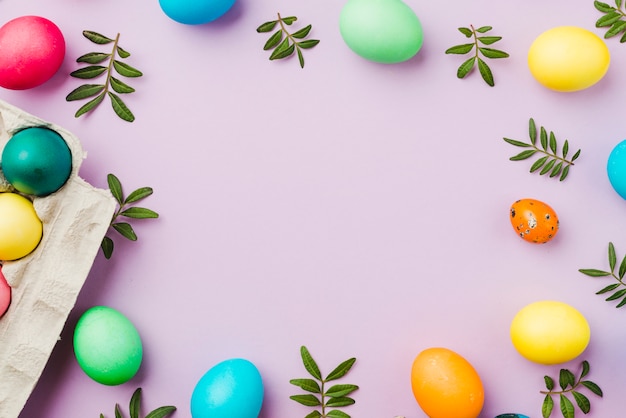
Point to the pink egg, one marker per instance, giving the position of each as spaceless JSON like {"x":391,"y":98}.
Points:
{"x":5,"y":294}
{"x":32,"y":49}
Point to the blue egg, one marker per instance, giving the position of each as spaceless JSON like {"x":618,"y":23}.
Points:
{"x":230,"y":389}
{"x":616,"y":168}
{"x":195,"y":12}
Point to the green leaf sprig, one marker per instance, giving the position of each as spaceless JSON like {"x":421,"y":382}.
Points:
{"x":135,"y":408}
{"x":124,"y":210}
{"x":334,"y":397}
{"x":285,"y":43}
{"x":551,"y":162}
{"x":613,"y":19}
{"x":614,"y":287}
{"x":569,"y":385}
{"x":478,"y":48}
{"x":112,"y":86}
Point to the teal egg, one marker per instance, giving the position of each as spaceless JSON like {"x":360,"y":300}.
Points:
{"x":385,"y":31}
{"x":616,"y":168}
{"x":36,"y":161}
{"x":107,"y":346}
{"x":230,"y":389}
{"x":195,"y":12}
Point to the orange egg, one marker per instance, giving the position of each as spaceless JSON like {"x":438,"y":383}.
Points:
{"x":534,"y":221}
{"x":445,"y":385}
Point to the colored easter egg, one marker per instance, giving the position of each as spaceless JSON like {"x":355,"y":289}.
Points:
{"x":195,"y":12}
{"x":568,"y":58}
{"x":32,"y":49}
{"x":107,"y":346}
{"x":616,"y":168}
{"x":533,"y":220}
{"x":20,"y":227}
{"x":36,"y":161}
{"x":5,"y":294}
{"x":385,"y":31}
{"x":446,"y":385}
{"x":230,"y":389}
{"x":549,"y":332}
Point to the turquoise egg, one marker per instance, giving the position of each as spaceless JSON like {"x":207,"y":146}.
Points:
{"x":230,"y":389}
{"x":107,"y":346}
{"x":616,"y":168}
{"x":36,"y":161}
{"x":385,"y":31}
{"x":195,"y":12}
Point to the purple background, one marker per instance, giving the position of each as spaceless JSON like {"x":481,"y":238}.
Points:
{"x":356,"y":208}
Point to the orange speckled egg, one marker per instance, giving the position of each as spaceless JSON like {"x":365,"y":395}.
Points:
{"x":534,"y":221}
{"x":445,"y":385}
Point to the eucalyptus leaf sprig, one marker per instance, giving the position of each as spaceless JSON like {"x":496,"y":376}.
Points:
{"x":569,"y":385}
{"x":285,"y":43}
{"x":125,"y":210}
{"x":613,"y":19}
{"x":614,"y":287}
{"x":478,"y":48}
{"x":551,"y":162}
{"x":135,"y":408}
{"x":335,"y":396}
{"x":112,"y":85}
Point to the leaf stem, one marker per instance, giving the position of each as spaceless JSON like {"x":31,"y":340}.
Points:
{"x":107,"y":82}
{"x":475,"y":42}
{"x":322,"y":400}
{"x":282,"y":26}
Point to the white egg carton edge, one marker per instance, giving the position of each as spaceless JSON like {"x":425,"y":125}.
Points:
{"x":46,"y":283}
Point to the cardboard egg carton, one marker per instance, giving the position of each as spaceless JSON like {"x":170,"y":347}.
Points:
{"x":46,"y":283}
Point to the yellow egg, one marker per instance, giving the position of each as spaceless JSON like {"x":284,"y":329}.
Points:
{"x":445,"y":385}
{"x":568,"y":58}
{"x":550,"y":332}
{"x":20,"y":227}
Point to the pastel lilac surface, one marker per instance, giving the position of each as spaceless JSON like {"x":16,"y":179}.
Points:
{"x":616,"y":168}
{"x":195,"y":12}
{"x":230,"y":389}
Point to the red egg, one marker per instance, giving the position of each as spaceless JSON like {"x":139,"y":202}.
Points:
{"x":5,"y":294}
{"x":32,"y":49}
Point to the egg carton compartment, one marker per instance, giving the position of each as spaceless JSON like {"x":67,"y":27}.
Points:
{"x":46,"y":282}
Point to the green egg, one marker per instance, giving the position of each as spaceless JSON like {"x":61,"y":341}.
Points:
{"x":385,"y":31}
{"x":36,"y":161}
{"x":107,"y":346}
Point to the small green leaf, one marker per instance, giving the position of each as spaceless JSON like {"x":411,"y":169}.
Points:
{"x":273,"y":40}
{"x":547,"y":167}
{"x":594,"y":272}
{"x":341,"y":370}
{"x":564,"y":173}
{"x":89,"y":105}
{"x":493,"y":53}
{"x":585,"y":369}
{"x":538,"y":164}
{"x":107,"y":247}
{"x":622,"y":268}
{"x":302,"y":33}
{"x":309,"y":385}
{"x":93,"y":58}
{"x":608,"y":19}
{"x":622,"y":303}
{"x":485,"y":72}
{"x":125,"y":230}
{"x":552,"y":142}
{"x":608,"y":288}
{"x":119,"y":86}
{"x":557,"y":169}
{"x":118,"y":411}
{"x":116,"y":188}
{"x":337,"y":414}
{"x":96,"y":38}
{"x":602,"y":7}
{"x":138,"y":194}
{"x":615,"y":29}
{"x":340,"y":390}
{"x":135,"y":403}
{"x":543,"y":138}
{"x":307,"y":400}
{"x":582,"y":401}
{"x":623,"y":38}
{"x":308,"y":44}
{"x":314,"y":414}
{"x":139,"y":213}
{"x":300,"y":57}
{"x":267,"y":26}
{"x":289,"y":20}
{"x":484,"y":29}
{"x":488,"y":40}
{"x":617,"y":295}
{"x":309,"y":364}
{"x":517,"y":143}
{"x":565,"y":149}
{"x":592,"y":387}
{"x":283,"y":54}
{"x":612,"y":257}
{"x":126,"y":70}
{"x":161,"y":412}
{"x":340,"y":401}
{"x":576,"y":155}
{"x":122,"y":52}
{"x":460,"y":49}
{"x":532,"y":131}
{"x":567,"y":408}
{"x":549,"y":382}
{"x":280,"y":48}
{"x":548,"y":405}
{"x":523,"y":155}
{"x":120,"y":108}
{"x":566,"y":378}
{"x":466,"y":31}
{"x":465,"y":68}
{"x":91,"y":71}
{"x":84,"y":91}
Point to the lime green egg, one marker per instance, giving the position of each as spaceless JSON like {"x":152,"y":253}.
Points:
{"x":107,"y":346}
{"x":385,"y":31}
